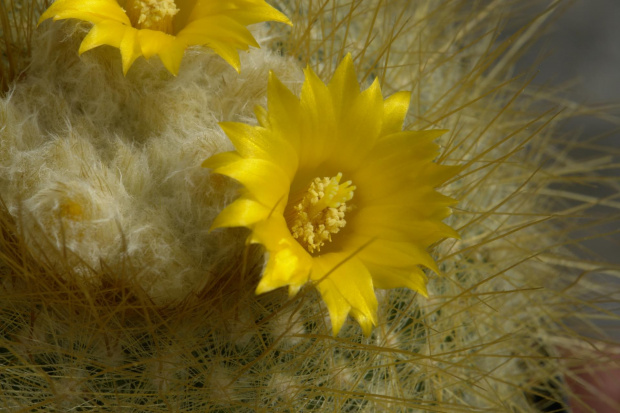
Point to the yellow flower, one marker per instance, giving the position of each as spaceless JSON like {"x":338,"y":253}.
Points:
{"x":337,"y":192}
{"x":167,"y":27}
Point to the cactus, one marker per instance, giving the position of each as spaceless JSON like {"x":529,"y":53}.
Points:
{"x":115,"y":296}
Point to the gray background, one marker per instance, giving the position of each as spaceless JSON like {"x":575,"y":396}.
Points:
{"x":585,"y":46}
{"x":581,"y":50}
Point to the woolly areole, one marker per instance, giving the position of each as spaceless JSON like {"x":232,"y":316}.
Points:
{"x":107,"y":167}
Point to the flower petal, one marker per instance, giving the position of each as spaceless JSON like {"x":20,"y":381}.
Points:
{"x":317,"y":122}
{"x":390,"y":253}
{"x":257,"y":142}
{"x":169,"y":48}
{"x":171,"y":57}
{"x":245,"y":11}
{"x":395,"y":109}
{"x":351,"y":279}
{"x":153,"y":42}
{"x":241,"y":213}
{"x":385,"y":277}
{"x":337,"y":305}
{"x":344,"y":87}
{"x":283,"y":112}
{"x":423,"y":233}
{"x":107,"y":32}
{"x":222,"y":34}
{"x":94,"y":11}
{"x":266,"y":181}
{"x":221,"y":159}
{"x":130,"y":48}
{"x":288,"y":263}
{"x":359,"y":127}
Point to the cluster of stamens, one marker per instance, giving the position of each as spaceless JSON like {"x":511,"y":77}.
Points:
{"x":152,"y":14}
{"x":321,"y":212}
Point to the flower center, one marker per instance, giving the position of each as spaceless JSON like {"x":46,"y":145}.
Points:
{"x":151,"y":14}
{"x":320,"y":211}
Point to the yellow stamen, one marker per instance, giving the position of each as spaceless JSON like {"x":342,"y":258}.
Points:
{"x":321,"y":211}
{"x":152,"y":14}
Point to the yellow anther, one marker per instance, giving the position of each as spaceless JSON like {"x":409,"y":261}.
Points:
{"x":321,"y":212}
{"x":152,"y":14}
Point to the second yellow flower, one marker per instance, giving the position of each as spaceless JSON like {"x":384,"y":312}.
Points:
{"x":167,"y":27}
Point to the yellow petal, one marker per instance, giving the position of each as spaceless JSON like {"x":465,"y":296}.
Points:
{"x":221,"y":159}
{"x":405,"y":147}
{"x":390,"y":253}
{"x":395,"y":109}
{"x":423,"y":233}
{"x":246,"y":11}
{"x":241,"y":213}
{"x":251,"y":15}
{"x":172,"y":56}
{"x":397,"y":161}
{"x":266,"y":181}
{"x":283,"y":111}
{"x":385,"y":277}
{"x":94,"y":11}
{"x":153,"y":42}
{"x":262,"y":116}
{"x":222,"y":34}
{"x":359,"y":127}
{"x":404,"y":213}
{"x":257,"y":142}
{"x":436,"y":174}
{"x":283,"y":269}
{"x":353,"y":281}
{"x":288,"y":263}
{"x":317,"y":121}
{"x":130,"y":48}
{"x":423,"y":198}
{"x":227,"y":52}
{"x":344,"y":86}
{"x":168,"y":47}
{"x":337,"y":305}
{"x":109,"y":33}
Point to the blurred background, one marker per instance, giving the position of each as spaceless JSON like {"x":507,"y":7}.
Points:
{"x":581,"y":53}
{"x":584,"y":45}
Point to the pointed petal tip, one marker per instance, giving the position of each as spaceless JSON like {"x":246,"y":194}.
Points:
{"x":293,"y":290}
{"x":336,"y":327}
{"x":263,"y":287}
{"x":367,"y":329}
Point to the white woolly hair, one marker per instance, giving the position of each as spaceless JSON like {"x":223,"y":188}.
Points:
{"x":107,"y":168}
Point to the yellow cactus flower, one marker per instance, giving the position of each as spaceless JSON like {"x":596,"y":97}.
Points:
{"x":167,"y":27}
{"x":337,"y":192}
